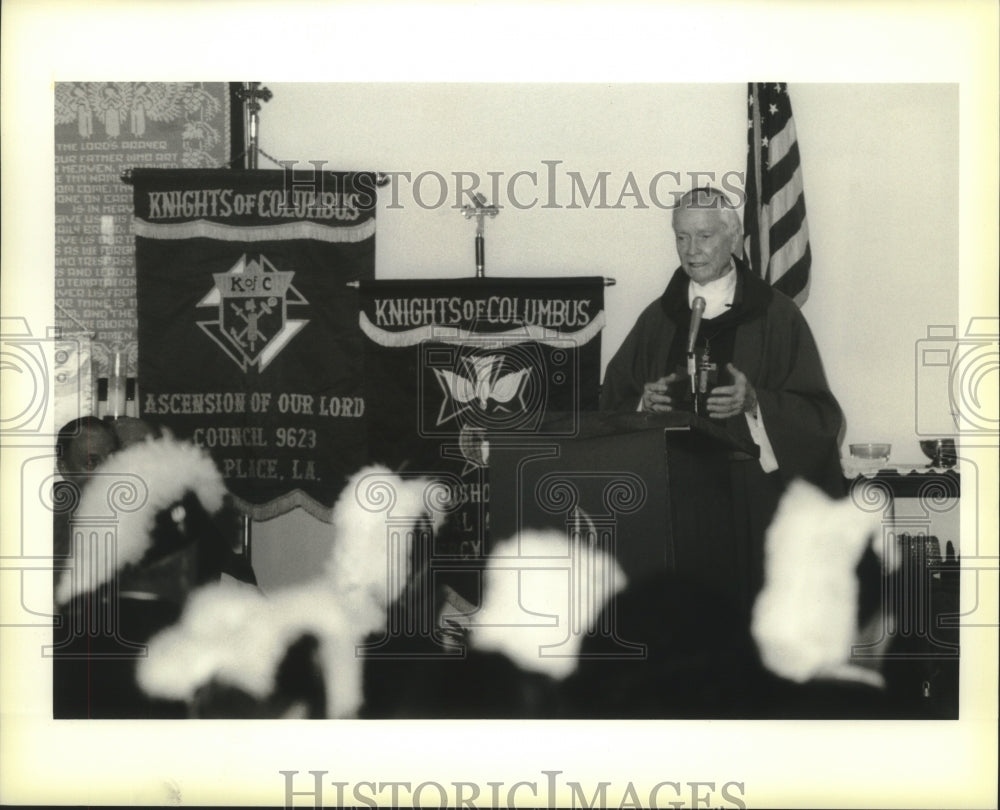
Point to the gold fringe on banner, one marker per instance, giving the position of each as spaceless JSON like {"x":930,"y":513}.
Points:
{"x":262,"y":233}
{"x":446,"y":334}
{"x":282,"y":504}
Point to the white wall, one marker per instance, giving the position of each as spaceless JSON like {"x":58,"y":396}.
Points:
{"x":880,"y":165}
{"x":880,"y":169}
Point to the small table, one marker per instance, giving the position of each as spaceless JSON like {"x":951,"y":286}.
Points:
{"x":920,"y":519}
{"x":906,"y":481}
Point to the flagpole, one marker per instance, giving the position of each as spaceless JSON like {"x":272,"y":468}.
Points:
{"x":763,"y":237}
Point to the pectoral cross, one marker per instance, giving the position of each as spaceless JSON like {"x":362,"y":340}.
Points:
{"x":479,"y":209}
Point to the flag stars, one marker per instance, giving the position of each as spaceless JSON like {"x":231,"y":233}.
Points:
{"x":772,"y":108}
{"x":764,"y":141}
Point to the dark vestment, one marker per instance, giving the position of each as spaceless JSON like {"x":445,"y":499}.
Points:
{"x":766,"y":337}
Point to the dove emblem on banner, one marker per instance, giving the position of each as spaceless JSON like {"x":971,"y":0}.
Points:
{"x":484,"y":385}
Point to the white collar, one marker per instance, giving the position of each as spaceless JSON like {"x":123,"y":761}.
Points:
{"x":718,"y":294}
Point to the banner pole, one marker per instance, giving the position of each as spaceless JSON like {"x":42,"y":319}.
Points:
{"x":479,"y":209}
{"x":252,"y":94}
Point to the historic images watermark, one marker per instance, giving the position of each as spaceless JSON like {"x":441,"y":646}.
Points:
{"x":549,"y":185}
{"x":965,"y":367}
{"x":546,"y":790}
{"x":31,"y":372}
{"x":555,"y":187}
{"x":956,"y":418}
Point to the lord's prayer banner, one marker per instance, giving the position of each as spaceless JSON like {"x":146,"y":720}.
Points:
{"x":103,"y":129}
{"x":248,"y":334}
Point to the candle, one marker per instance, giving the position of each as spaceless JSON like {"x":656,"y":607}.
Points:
{"x":116,"y":388}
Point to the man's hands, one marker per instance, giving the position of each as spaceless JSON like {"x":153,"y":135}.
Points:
{"x":655,"y":398}
{"x":725,"y":401}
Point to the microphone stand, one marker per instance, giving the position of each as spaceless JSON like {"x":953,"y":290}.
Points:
{"x":697,"y":308}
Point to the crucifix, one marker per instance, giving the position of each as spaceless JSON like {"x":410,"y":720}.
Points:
{"x":252,"y":94}
{"x":479,"y":209}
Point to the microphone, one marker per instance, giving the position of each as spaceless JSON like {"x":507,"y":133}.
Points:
{"x":697,"y":310}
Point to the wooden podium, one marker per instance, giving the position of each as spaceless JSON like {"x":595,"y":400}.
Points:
{"x":659,"y":489}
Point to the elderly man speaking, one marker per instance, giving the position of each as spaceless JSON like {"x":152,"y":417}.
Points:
{"x":771,"y":388}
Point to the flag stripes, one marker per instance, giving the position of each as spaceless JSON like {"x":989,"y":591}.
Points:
{"x":776,"y":233}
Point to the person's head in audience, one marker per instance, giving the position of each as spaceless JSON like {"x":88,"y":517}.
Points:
{"x":130,"y":430}
{"x":84,"y":444}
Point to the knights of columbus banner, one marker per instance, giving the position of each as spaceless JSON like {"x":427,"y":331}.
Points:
{"x":248,"y":335}
{"x":450,"y":364}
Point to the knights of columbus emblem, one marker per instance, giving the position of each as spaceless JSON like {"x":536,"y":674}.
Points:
{"x":252,"y":325}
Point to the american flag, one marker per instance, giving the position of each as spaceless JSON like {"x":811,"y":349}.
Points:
{"x":776,"y":235}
